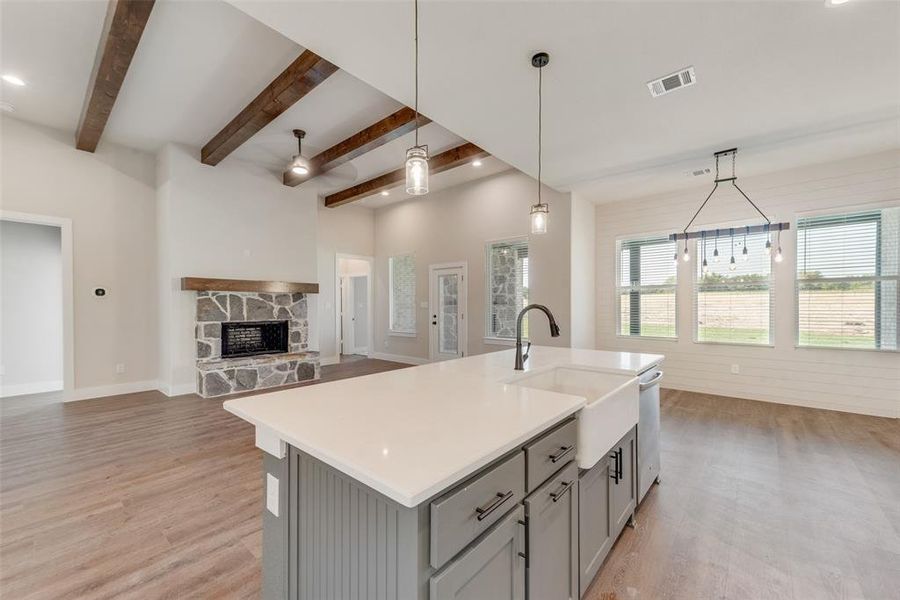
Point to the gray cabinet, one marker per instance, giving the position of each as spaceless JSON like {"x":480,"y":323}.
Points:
{"x":494,"y":567}
{"x":622,"y":493}
{"x":551,"y":513}
{"x":595,"y":537}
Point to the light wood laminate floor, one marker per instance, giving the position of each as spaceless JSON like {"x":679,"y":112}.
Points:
{"x":143,"y":496}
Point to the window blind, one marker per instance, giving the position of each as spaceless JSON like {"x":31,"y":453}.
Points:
{"x":733,"y":306}
{"x":647,"y":279}
{"x":847,"y":280}
{"x":507,"y":287}
{"x":402,"y":293}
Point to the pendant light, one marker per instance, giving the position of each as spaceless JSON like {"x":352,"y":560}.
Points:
{"x":298,"y":164}
{"x":749,"y":229}
{"x":417,"y":156}
{"x":540,"y":212}
{"x":704,"y":265}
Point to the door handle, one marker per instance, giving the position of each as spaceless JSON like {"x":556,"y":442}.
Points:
{"x":484,"y":511}
{"x":566,"y":486}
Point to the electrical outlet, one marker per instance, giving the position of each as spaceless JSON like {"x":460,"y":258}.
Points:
{"x":735,"y":369}
{"x":120,"y":368}
{"x":272,"y":494}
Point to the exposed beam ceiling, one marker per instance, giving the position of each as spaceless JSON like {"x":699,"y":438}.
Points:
{"x":442,"y":162}
{"x":122,"y":30}
{"x":300,"y":78}
{"x":391,"y":127}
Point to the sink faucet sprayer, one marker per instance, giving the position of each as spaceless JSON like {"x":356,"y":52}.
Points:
{"x":554,"y":332}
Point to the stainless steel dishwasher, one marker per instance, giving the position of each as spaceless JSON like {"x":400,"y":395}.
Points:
{"x":648,"y":431}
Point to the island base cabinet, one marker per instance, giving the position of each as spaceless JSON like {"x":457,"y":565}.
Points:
{"x":622,"y":489}
{"x":551,"y":514}
{"x":595,"y":536}
{"x":494,"y":568}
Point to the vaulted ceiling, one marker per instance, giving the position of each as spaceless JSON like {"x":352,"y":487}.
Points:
{"x":198,"y":64}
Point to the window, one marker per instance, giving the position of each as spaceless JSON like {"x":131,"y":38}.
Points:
{"x":734,"y":306}
{"x":847,"y":279}
{"x":646,"y":287}
{"x":507,"y":285}
{"x":403,"y":294}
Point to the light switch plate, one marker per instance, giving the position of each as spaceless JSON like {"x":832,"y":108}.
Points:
{"x":272,"y":494}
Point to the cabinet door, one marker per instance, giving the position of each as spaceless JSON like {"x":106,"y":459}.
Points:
{"x":493,"y":568}
{"x":622,"y":486}
{"x":551,"y":513}
{"x":595,"y":538}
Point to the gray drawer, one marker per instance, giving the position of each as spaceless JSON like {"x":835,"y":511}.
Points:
{"x":459,"y":516}
{"x":546,"y":456}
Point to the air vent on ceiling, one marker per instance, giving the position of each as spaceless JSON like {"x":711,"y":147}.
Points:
{"x":670,"y":83}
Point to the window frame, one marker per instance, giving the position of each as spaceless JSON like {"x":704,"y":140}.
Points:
{"x":837,"y":212}
{"x":489,"y":336}
{"x":391,"y":301}
{"x":695,"y":296}
{"x":618,"y":296}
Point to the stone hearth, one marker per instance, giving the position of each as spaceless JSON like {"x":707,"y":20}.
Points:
{"x":217,"y":376}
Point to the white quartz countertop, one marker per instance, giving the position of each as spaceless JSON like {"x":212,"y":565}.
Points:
{"x":414,"y":432}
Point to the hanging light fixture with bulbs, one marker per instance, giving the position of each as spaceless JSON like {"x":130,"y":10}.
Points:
{"x":540,"y":212}
{"x":417,"y":156}
{"x":298,"y":164}
{"x":749,"y":229}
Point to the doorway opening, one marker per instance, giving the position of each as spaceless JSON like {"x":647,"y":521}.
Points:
{"x":35,"y":307}
{"x":354,"y":298}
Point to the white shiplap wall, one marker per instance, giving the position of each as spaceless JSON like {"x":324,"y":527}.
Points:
{"x":849,"y":380}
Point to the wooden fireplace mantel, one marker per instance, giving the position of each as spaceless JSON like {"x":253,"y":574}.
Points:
{"x":206,"y":284}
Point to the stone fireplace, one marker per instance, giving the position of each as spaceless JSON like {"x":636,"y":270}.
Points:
{"x":252,"y":341}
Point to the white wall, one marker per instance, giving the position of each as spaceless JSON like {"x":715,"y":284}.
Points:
{"x":235,"y":220}
{"x":31,"y":297}
{"x":584,"y":291}
{"x":109,"y":196}
{"x":343,"y":230}
{"x":455,"y":225}
{"x":852,"y":380}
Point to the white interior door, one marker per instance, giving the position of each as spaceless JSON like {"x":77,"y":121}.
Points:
{"x":447,"y":311}
{"x":360,"y":285}
{"x":347,"y":330}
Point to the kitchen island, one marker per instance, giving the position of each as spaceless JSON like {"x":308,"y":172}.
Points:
{"x":447,"y":480}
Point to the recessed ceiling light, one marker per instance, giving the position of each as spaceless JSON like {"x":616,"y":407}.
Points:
{"x":836,"y":2}
{"x":476,"y":163}
{"x":10,"y":78}
{"x":7,"y":107}
{"x":385,"y":193}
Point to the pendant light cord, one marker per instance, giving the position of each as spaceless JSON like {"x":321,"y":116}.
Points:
{"x":416,"y":41}
{"x":540,"y":127}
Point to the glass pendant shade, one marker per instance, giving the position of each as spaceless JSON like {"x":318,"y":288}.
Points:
{"x":540,"y":213}
{"x":744,"y":254}
{"x":779,"y":256}
{"x":716,"y":255}
{"x":417,"y":171}
{"x":299,"y":166}
{"x":705,"y":266}
{"x":686,"y":255}
{"x":768,"y":247}
{"x":732,"y":265}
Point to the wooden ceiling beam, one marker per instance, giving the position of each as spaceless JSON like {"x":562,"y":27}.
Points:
{"x":300,"y":78}
{"x":444,"y":161}
{"x":378,"y":134}
{"x":122,"y":30}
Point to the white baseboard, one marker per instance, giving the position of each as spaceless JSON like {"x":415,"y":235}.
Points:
{"x":329,"y":360}
{"x":400,"y":358}
{"x":38,"y":387}
{"x":885,"y":411}
{"x":100,"y":391}
{"x":361,"y":351}
{"x":176,"y":390}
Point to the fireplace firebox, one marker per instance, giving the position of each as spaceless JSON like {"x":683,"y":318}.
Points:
{"x":249,"y":338}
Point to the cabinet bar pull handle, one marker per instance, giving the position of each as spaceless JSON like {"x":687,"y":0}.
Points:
{"x":566,"y":486}
{"x":619,"y":462}
{"x":615,"y":474}
{"x":562,"y":452}
{"x":484,"y":511}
